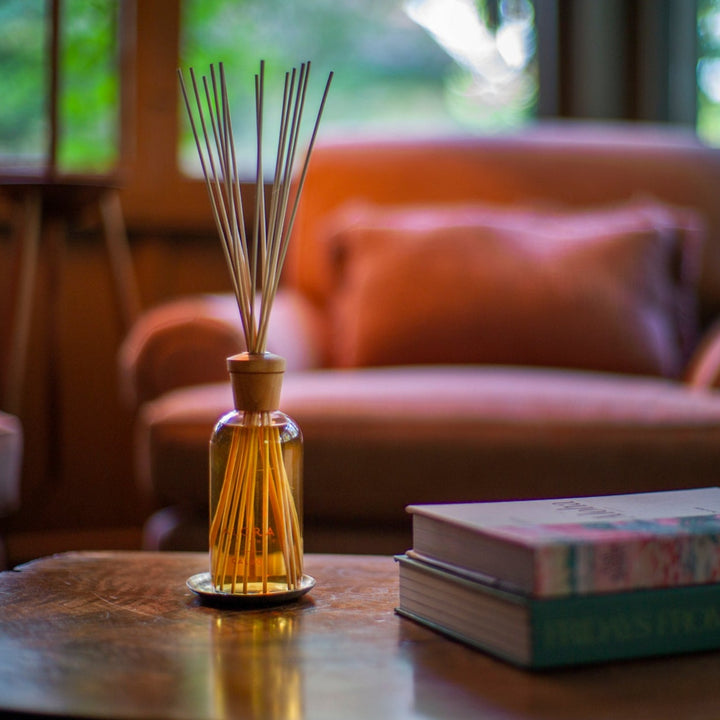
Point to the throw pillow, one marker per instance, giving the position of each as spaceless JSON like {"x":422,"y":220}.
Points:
{"x":608,"y":289}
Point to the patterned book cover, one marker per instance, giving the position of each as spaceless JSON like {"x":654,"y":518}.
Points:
{"x":609,"y":556}
{"x":581,"y":545}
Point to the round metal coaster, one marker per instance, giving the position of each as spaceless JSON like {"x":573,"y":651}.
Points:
{"x":202,"y":586}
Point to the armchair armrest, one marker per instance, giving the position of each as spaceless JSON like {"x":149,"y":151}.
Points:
{"x":178,"y":343}
{"x":186,"y":341}
{"x":704,"y":367}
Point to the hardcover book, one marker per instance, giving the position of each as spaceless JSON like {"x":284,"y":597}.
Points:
{"x":577,"y":546}
{"x":552,"y":632}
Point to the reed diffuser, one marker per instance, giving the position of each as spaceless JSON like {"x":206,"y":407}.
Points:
{"x":256,"y":542}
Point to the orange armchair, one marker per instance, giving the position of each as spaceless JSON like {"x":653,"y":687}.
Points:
{"x":464,"y":319}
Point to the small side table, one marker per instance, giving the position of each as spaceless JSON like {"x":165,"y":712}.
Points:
{"x":48,"y":208}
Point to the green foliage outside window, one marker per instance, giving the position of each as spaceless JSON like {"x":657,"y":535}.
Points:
{"x":708,"y":71}
{"x":23,"y":126}
{"x":390,"y":75}
{"x":394,"y":71}
{"x":90,"y":90}
{"x":88,"y":104}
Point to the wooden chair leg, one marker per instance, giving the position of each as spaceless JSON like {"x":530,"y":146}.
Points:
{"x":120,"y":258}
{"x":20,"y":333}
{"x":54,"y":239}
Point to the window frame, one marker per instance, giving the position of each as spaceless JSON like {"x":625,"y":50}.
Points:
{"x":158,"y":195}
{"x":155,"y":193}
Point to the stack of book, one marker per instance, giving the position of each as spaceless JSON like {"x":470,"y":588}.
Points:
{"x":546,"y":583}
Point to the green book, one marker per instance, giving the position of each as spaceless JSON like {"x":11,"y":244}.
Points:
{"x":551,"y":632}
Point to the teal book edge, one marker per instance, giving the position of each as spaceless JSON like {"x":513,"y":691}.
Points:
{"x":553,"y":632}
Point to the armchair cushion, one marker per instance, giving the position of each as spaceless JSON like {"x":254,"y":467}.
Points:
{"x":377,"y":437}
{"x":609,"y":289}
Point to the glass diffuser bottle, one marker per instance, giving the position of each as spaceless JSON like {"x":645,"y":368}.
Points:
{"x":256,"y":542}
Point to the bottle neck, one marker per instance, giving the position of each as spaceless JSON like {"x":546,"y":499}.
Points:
{"x":256,"y":381}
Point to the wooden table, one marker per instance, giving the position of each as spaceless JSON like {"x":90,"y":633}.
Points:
{"x":118,"y":635}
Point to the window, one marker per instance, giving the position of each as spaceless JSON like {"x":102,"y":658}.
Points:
{"x":23,"y":124}
{"x":396,"y":71}
{"x":399,"y":67}
{"x":708,"y":71}
{"x":88,"y":85}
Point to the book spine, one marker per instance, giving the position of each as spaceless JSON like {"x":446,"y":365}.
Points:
{"x":636,"y":624}
{"x":553,"y":632}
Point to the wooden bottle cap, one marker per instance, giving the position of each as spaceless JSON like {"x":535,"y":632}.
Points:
{"x":256,"y":381}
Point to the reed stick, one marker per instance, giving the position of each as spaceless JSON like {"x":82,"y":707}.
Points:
{"x":255,"y":496}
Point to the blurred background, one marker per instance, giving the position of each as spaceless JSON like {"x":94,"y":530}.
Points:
{"x":90,"y":99}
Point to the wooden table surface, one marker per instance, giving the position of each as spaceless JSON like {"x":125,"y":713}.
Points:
{"x":118,"y":635}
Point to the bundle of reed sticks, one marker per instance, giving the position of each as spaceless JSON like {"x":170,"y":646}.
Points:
{"x":255,"y":499}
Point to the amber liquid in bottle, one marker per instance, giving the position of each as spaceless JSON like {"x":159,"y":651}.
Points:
{"x":255,"y":498}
